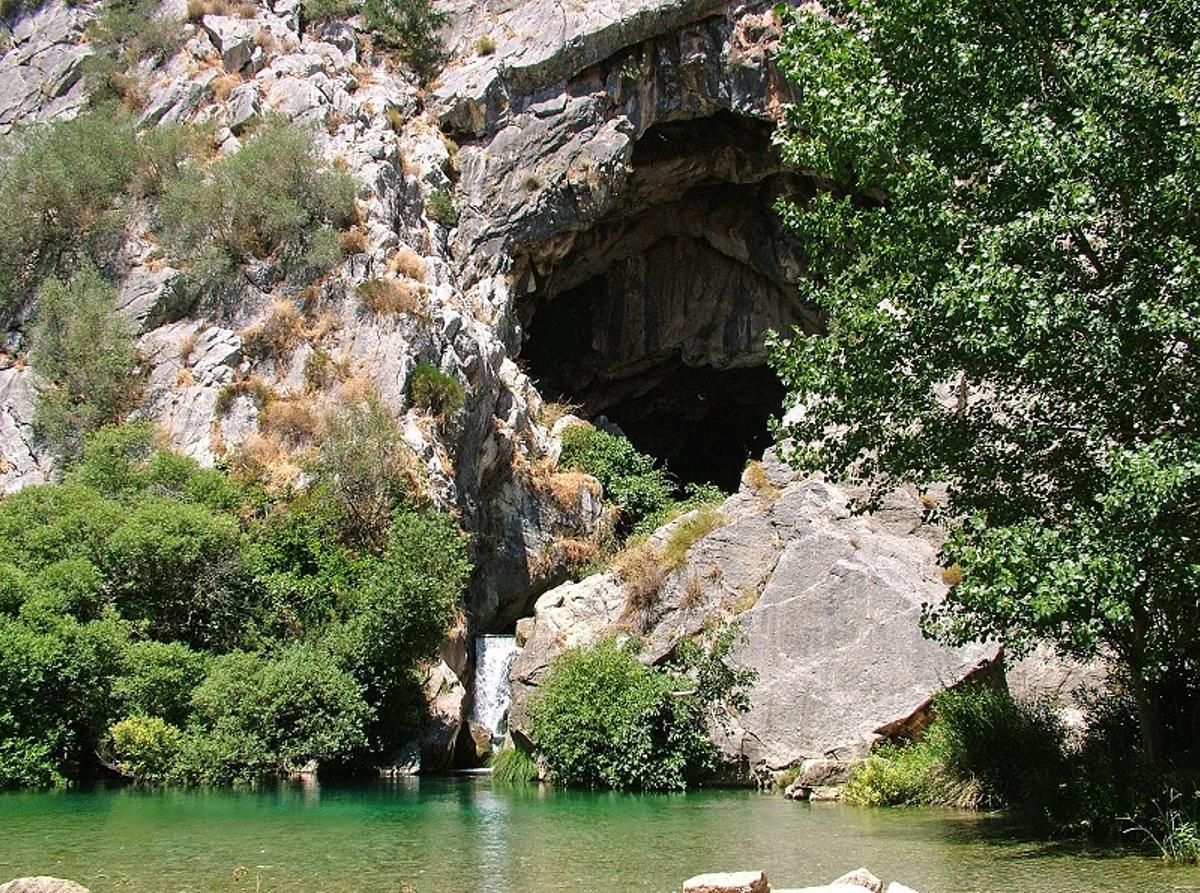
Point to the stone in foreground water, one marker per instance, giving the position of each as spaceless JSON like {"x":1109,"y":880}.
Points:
{"x":728,"y":882}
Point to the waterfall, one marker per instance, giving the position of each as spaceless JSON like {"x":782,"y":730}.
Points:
{"x":493,"y":658}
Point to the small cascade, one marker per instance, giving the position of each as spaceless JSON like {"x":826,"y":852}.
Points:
{"x":494,"y":656}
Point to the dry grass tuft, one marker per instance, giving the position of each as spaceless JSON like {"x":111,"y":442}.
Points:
{"x":755,"y":477}
{"x":643,"y":574}
{"x":187,"y":344}
{"x":952,"y":575}
{"x":406,"y":262}
{"x":253,"y":387}
{"x":565,"y":488}
{"x":261,"y":459}
{"x":563,"y":553}
{"x":693,"y":592}
{"x":552,"y":412}
{"x":384,"y":297}
{"x":485,"y":46}
{"x":354,"y":241}
{"x":280,"y":333}
{"x":291,"y":421}
{"x":183,"y":379}
{"x":223,"y":84}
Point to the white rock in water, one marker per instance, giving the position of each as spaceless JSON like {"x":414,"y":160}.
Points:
{"x":41,"y":885}
{"x":862,"y":878}
{"x":728,"y":882}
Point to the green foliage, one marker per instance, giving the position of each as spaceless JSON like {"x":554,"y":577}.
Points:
{"x":255,"y":716}
{"x":365,"y":469}
{"x":1176,"y":834}
{"x":326,"y":10}
{"x":630,"y":479}
{"x":1008,"y":269}
{"x":432,"y":390}
{"x":84,"y":352}
{"x":685,"y":534}
{"x":441,"y":208}
{"x":273,"y":197}
{"x":983,"y":749}
{"x":156,"y":612}
{"x":511,"y":766}
{"x":145,"y":747}
{"x":605,"y":719}
{"x":60,"y":187}
{"x":125,"y":34}
{"x":410,"y":27}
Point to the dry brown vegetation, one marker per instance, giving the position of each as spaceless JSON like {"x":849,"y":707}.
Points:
{"x":252,"y":386}
{"x":406,"y":262}
{"x":384,"y":297}
{"x":223,"y":84}
{"x":353,"y":241}
{"x":565,"y":488}
{"x":642,"y":572}
{"x":276,"y":336}
{"x":756,"y":479}
{"x":187,"y":344}
{"x":291,"y":421}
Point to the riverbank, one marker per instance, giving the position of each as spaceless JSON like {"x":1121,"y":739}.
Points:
{"x":454,"y":835}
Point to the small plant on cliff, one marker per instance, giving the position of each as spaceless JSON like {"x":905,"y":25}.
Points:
{"x":411,"y":28}
{"x":605,"y":719}
{"x":434,"y":391}
{"x":440,"y":208}
{"x":630,"y":479}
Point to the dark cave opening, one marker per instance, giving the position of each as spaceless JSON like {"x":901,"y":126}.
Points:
{"x":655,"y":317}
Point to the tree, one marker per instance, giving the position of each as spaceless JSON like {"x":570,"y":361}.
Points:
{"x":84,"y":352}
{"x":1006,"y":250}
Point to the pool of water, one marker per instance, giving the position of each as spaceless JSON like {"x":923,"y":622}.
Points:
{"x":453,"y":835}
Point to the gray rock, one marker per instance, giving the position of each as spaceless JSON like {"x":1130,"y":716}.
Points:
{"x":233,"y":38}
{"x":42,"y":885}
{"x":40,"y":72}
{"x":828,"y":604}
{"x":243,"y":107}
{"x":146,"y":295}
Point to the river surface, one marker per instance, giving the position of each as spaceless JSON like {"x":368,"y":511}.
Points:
{"x":453,"y":835}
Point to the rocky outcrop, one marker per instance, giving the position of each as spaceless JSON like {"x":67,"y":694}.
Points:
{"x":828,"y":604}
{"x":728,"y":882}
{"x":41,"y":78}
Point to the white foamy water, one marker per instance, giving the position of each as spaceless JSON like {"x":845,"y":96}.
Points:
{"x":494,"y":656}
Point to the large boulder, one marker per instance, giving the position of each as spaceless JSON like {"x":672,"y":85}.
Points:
{"x":828,"y":602}
{"x":728,"y":882}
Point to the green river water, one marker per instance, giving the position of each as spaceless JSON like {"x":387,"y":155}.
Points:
{"x":452,"y":835}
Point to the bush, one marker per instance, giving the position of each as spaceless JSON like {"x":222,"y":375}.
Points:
{"x":434,"y":391}
{"x":177,"y":566}
{"x":983,"y":749}
{"x":630,"y":479}
{"x":83,"y":350}
{"x":124,"y":34}
{"x":392,"y":296}
{"x":604,"y":719}
{"x":256,"y":715}
{"x":274,"y":196}
{"x":441,"y":209}
{"x":512,"y":766}
{"x":410,"y":27}
{"x":59,"y":187}
{"x":158,"y":680}
{"x":326,"y":10}
{"x":366,"y":469}
{"x":145,"y":747}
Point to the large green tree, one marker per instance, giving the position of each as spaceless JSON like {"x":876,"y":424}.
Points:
{"x":1006,"y":251}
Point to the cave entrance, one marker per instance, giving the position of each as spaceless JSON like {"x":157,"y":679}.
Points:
{"x":655,"y":318}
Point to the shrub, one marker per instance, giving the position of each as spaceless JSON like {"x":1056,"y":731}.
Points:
{"x":177,"y":566}
{"x":275,"y":196}
{"x":60,"y":191}
{"x":630,"y":479}
{"x":434,"y":391}
{"x":643,"y":573}
{"x":366,"y":470}
{"x":124,"y":34}
{"x":512,"y":766}
{"x":604,"y":719}
{"x":145,"y":747}
{"x":983,"y":749}
{"x":158,"y":680}
{"x":441,"y":208}
{"x":485,"y":46}
{"x":83,"y":350}
{"x":410,"y":27}
{"x":256,"y":715}
{"x":325,"y":10}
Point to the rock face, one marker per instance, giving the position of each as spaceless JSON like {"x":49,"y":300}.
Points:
{"x":42,"y":885}
{"x":828,"y":604}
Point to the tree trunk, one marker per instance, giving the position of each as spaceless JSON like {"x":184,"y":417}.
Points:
{"x":1145,"y":697}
